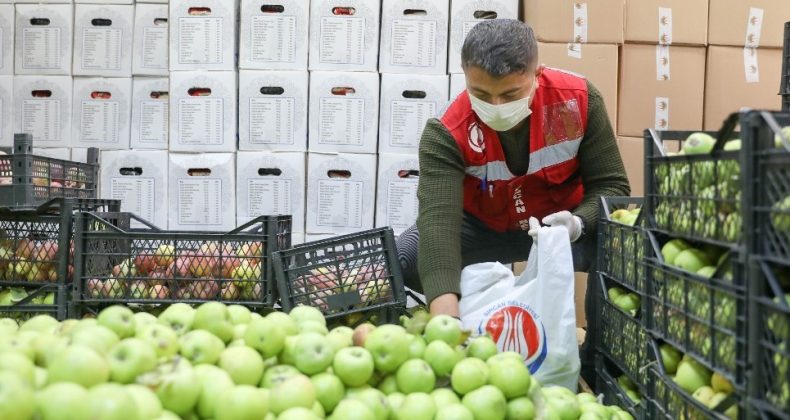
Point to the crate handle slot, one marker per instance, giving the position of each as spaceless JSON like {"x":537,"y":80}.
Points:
{"x":272,"y":8}
{"x":414,"y":94}
{"x":414,"y":12}
{"x":159,"y":94}
{"x":101,"y":22}
{"x":40,"y":21}
{"x":44,"y":93}
{"x":101,"y":95}
{"x":408,"y":173}
{"x":199,"y":172}
{"x":160,"y":21}
{"x":344,"y":11}
{"x":272,"y":90}
{"x":270,"y":172}
{"x":198,"y":91}
{"x":338,"y":173}
{"x":343,"y":91}
{"x":485,"y":14}
{"x":199,"y":11}
{"x":137,"y":171}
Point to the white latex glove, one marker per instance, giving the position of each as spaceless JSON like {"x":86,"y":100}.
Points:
{"x":565,"y":218}
{"x":534,"y":226}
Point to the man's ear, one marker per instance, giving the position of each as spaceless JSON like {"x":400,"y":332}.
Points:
{"x":539,"y":70}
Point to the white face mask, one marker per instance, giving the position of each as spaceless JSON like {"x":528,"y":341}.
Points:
{"x":505,"y":116}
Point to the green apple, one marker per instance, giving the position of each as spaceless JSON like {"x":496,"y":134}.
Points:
{"x":521,"y":408}
{"x":586,"y":397}
{"x":352,"y":409}
{"x":296,"y":391}
{"x":340,"y":337}
{"x":59,"y":401}
{"x":129,"y":359}
{"x":732,"y":145}
{"x":239,"y":330}
{"x":716,"y":399}
{"x":284,"y":321}
{"x":313,"y":326}
{"x":708,"y":271}
{"x":594,"y":408}
{"x":148,"y":404}
{"x":486,"y":402}
{"x":376,"y":401}
{"x":242,"y":402}
{"x":442,"y":357}
{"x":243,"y":364}
{"x":562,"y":401}
{"x":201,"y":346}
{"x":506,"y":355}
{"x":239,"y":314}
{"x":17,"y":399}
{"x":389,"y":346}
{"x":691,"y":375}
{"x":672,"y":248}
{"x":41,"y":324}
{"x":20,"y":365}
{"x":691,"y":260}
{"x":179,"y":317}
{"x":510,"y":377}
{"x":298,"y":413}
{"x":417,"y":406}
{"x":455,"y":411}
{"x":266,"y":336}
{"x":312,"y":353}
{"x":720,"y":384}
{"x":444,"y":328}
{"x":277,"y":374}
{"x":626,"y":383}
{"x":468,"y":375}
{"x":415,"y":375}
{"x":482,"y":347}
{"x":416,"y":346}
{"x":388,"y":385}
{"x":698,"y":144}
{"x":670,"y":357}
{"x":395,"y":400}
{"x":109,"y":402}
{"x":213,"y":383}
{"x":214,"y":317}
{"x":353,"y":365}
{"x":780,"y":215}
{"x":703,"y":394}
{"x":329,"y":390}
{"x":176,"y":384}
{"x":303,"y":313}
{"x":8,"y":327}
{"x":40,"y":374}
{"x":78,"y":364}
{"x":161,"y":338}
{"x":288,"y":356}
{"x":444,"y":396}
{"x":361,"y":333}
{"x":97,"y":337}
{"x":119,"y":319}
{"x":141,"y":319}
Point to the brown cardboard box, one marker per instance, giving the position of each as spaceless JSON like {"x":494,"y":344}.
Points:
{"x":596,"y":62}
{"x":671,"y":22}
{"x":733,"y":81}
{"x":739,"y":22}
{"x":564,"y":20}
{"x":672,"y":103}
{"x":632,"y":150}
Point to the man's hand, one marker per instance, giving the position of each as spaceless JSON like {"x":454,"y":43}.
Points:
{"x":565,"y":218}
{"x":446,"y":304}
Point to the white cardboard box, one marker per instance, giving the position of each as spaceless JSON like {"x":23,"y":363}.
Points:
{"x":414,"y":36}
{"x":273,"y":110}
{"x":105,"y":1}
{"x":55,"y":153}
{"x":150,"y":116}
{"x":6,"y":111}
{"x":344,"y":111}
{"x":103,"y":40}
{"x":43,"y":39}
{"x":6,"y":39}
{"x":203,"y":111}
{"x":312,"y":237}
{"x":102,"y":113}
{"x":150,"y":51}
{"x":274,"y":34}
{"x":42,"y":107}
{"x":465,"y":14}
{"x":297,"y":238}
{"x":202,"y":191}
{"x":396,"y":193}
{"x":344,"y":35}
{"x":203,"y":34}
{"x":407,"y":102}
{"x":457,"y":85}
{"x":139,"y":180}
{"x":80,"y":154}
{"x":269,"y":184}
{"x":341,"y":192}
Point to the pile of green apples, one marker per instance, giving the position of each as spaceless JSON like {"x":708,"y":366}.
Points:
{"x":225,"y":362}
{"x":707,"y":387}
{"x":626,"y":258}
{"x":624,"y":342}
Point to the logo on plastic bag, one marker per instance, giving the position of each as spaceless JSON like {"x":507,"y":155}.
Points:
{"x":515,"y":327}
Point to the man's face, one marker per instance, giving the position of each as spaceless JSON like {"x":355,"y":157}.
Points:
{"x":497,"y":91}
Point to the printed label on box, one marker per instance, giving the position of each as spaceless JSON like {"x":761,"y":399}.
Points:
{"x":273,"y":39}
{"x":201,"y":121}
{"x":269,"y":197}
{"x":41,"y":118}
{"x":407,"y":120}
{"x":101,"y":48}
{"x":340,"y":203}
{"x":579,"y":23}
{"x":271,"y":120}
{"x":342,"y":40}
{"x":136,"y":193}
{"x":153,"y":122}
{"x":41,"y":48}
{"x":200,"y":201}
{"x":402,"y":195}
{"x":100,"y":120}
{"x":413,"y":43}
{"x":200,"y":40}
{"x":155,"y":47}
{"x":341,"y":121}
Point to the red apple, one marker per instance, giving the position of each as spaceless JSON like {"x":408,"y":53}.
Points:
{"x":94,"y":288}
{"x":182,"y":264}
{"x":205,"y":289}
{"x":145,"y":264}
{"x":53,"y":275}
{"x":25,"y":248}
{"x":202,"y":265}
{"x":228,"y":265}
{"x":164,"y":255}
{"x":230,"y":292}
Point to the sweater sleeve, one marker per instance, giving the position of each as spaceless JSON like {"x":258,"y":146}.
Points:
{"x":440,"y":195}
{"x":601,"y":167}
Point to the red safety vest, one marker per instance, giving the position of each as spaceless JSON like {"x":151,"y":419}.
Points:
{"x":552,"y":183}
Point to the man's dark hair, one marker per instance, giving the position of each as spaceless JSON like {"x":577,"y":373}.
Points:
{"x":500,"y":47}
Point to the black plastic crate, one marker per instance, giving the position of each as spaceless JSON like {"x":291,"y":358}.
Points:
{"x":621,"y":247}
{"x":21,"y":304}
{"x":770,"y":379}
{"x":667,"y":400}
{"x":770,"y":233}
{"x":28,"y":181}
{"x":697,"y":196}
{"x":785,"y":85}
{"x":613,"y":391}
{"x":621,"y":336}
{"x":349,"y":275}
{"x":148,"y":266}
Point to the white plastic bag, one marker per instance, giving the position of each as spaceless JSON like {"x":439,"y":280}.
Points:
{"x":533,"y":315}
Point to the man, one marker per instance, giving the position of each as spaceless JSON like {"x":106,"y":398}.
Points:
{"x":522,"y":141}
